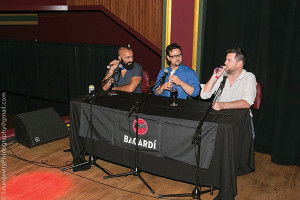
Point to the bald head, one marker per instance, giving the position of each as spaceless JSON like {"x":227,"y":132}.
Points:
{"x":123,"y":49}
{"x":126,"y":57}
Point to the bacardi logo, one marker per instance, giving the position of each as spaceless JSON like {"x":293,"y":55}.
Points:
{"x":142,"y":126}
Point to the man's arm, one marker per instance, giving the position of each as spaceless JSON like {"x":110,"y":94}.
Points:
{"x":166,"y":86}
{"x":210,"y":84}
{"x":189,"y":89}
{"x":213,"y":79}
{"x":109,"y":83}
{"x":158,"y":90}
{"x":231,"y":105}
{"x":208,"y":89}
{"x":134,"y":82}
{"x":114,"y":64}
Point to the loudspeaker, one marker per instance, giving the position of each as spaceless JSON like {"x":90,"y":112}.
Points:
{"x":39,"y":127}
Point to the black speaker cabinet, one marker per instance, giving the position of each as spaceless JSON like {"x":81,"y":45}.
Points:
{"x":39,"y":127}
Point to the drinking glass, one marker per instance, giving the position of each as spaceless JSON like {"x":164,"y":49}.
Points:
{"x":174,"y":93}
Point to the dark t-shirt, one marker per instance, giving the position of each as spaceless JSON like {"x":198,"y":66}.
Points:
{"x":137,"y":70}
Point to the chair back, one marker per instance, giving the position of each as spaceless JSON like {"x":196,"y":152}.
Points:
{"x":258,"y":97}
{"x":145,"y":81}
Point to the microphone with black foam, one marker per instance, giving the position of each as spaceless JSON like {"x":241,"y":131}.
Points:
{"x":163,"y":78}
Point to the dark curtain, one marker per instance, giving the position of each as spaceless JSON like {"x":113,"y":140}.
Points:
{"x":269,"y":31}
{"x":37,"y":75}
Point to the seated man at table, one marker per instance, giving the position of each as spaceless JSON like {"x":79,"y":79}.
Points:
{"x":130,"y":78}
{"x":184,"y":77}
{"x":240,"y":87}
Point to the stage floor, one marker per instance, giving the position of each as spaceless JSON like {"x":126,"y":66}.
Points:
{"x":27,"y":181}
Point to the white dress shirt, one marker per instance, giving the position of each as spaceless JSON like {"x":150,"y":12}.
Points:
{"x":243,"y":88}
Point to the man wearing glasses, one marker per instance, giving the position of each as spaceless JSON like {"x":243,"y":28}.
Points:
{"x":130,"y":78}
{"x":184,"y":77}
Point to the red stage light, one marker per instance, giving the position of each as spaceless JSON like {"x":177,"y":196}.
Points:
{"x":37,"y":186}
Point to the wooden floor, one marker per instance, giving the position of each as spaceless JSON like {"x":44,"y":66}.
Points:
{"x":28,"y":181}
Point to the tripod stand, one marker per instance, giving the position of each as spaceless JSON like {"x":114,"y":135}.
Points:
{"x":91,"y":161}
{"x":196,"y":193}
{"x":136,"y":170}
{"x":91,"y":97}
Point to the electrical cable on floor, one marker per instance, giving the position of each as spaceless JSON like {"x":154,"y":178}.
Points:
{"x":44,"y":164}
{"x":145,"y":195}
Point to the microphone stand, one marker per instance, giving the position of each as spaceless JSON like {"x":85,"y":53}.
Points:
{"x":196,"y":193}
{"x":136,"y":109}
{"x":91,"y":97}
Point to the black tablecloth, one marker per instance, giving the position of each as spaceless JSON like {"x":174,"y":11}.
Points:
{"x":165,"y":148}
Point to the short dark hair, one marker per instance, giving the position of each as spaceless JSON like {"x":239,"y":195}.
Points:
{"x":172,"y":46}
{"x":240,"y":54}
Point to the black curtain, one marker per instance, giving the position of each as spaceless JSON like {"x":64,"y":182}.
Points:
{"x":37,"y":75}
{"x":269,"y":31}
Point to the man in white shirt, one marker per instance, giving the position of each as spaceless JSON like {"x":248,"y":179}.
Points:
{"x":240,"y":87}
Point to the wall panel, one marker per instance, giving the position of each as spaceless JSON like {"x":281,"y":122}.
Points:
{"x":144,"y":16}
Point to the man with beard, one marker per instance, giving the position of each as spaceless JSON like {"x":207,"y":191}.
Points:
{"x":240,"y":87}
{"x":130,"y":78}
{"x":184,"y":77}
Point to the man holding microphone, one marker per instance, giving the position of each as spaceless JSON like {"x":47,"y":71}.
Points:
{"x":184,"y":77}
{"x":240,"y":87}
{"x":130,"y":77}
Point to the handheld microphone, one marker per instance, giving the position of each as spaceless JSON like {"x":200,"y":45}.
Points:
{"x":110,"y":65}
{"x":163,"y":78}
{"x":172,"y":72}
{"x":120,"y":66}
{"x":220,"y":67}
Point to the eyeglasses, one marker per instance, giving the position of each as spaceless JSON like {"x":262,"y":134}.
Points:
{"x":176,"y":56}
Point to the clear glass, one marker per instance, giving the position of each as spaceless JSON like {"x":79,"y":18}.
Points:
{"x":174,"y":93}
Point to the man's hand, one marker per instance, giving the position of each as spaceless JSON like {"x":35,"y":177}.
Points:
{"x":113,"y":65}
{"x":218,"y":106}
{"x":218,"y":71}
{"x":231,"y":105}
{"x":167,"y":86}
{"x":175,"y":79}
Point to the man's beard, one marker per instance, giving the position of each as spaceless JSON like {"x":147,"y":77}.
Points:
{"x":177,"y":64}
{"x":229,"y":71}
{"x":128,"y":65}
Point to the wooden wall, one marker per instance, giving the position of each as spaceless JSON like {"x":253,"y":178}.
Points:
{"x":144,"y":16}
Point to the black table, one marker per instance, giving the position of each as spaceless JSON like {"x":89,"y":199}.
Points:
{"x":165,"y":138}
